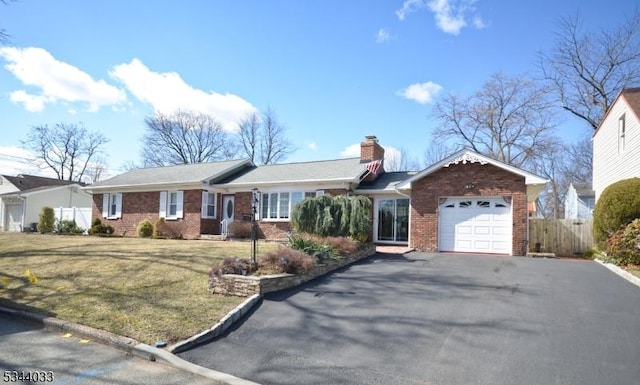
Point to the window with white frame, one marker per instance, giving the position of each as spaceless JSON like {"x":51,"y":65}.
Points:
{"x":278,"y":205}
{"x":621,"y":134}
{"x":208,"y":205}
{"x":171,"y":203}
{"x":112,"y":205}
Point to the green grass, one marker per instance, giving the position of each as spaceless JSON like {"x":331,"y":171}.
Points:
{"x":146,"y":289}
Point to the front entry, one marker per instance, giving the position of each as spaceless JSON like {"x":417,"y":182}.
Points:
{"x":392,"y":220}
{"x":228,"y":208}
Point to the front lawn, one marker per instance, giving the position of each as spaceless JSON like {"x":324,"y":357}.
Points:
{"x":146,"y":289}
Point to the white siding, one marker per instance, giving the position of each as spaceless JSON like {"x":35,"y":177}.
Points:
{"x":69,"y":196}
{"x":5,"y":187}
{"x":609,"y":165}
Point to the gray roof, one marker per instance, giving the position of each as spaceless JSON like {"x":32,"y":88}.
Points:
{"x":319,"y":171}
{"x":584,"y":189}
{"x":180,"y":174}
{"x":386,"y":181}
{"x":29,"y":182}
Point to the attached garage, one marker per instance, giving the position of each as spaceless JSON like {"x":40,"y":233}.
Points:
{"x":475,"y":224}
{"x":470,"y":203}
{"x":13,"y":217}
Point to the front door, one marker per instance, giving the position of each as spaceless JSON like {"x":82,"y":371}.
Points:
{"x":393,"y":220}
{"x":228,"y":208}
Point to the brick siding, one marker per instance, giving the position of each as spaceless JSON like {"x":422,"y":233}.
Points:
{"x":489,"y":180}
{"x":138,"y":206}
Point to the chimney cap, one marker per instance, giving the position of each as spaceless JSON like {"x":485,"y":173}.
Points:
{"x":371,"y":138}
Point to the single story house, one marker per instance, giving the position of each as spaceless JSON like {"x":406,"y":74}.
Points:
{"x":465,"y":203}
{"x":22,"y":198}
{"x":616,"y":142}
{"x":579,"y":201}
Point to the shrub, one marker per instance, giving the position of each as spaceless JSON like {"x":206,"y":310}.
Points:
{"x":338,"y":216}
{"x":159,"y":230}
{"x":618,"y":205}
{"x":343,"y":245}
{"x":285,"y":260}
{"x":46,"y":220}
{"x":144,"y":229}
{"x":98,"y":228}
{"x":68,"y":226}
{"x":240,"y":229}
{"x":623,"y":246}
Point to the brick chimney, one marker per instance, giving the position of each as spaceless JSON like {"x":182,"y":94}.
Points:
{"x":370,"y":149}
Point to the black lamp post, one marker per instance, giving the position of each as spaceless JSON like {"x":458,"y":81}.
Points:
{"x":255,"y":200}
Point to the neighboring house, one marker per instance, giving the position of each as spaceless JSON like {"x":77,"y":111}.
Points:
{"x":22,"y":198}
{"x":616,"y":142}
{"x":465,"y":203}
{"x":579,"y":201}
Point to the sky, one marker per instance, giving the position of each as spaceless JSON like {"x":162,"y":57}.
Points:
{"x":333,"y":70}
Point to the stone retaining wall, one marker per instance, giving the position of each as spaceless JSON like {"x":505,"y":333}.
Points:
{"x":245,"y":286}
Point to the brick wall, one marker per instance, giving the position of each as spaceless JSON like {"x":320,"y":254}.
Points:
{"x":489,"y":180}
{"x":138,"y":206}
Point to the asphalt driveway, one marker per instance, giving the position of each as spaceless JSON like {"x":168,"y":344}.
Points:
{"x":441,"y":319}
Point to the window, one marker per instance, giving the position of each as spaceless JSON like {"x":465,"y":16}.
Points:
{"x":171,"y":203}
{"x":465,"y":204}
{"x":112,"y":205}
{"x":484,"y":204}
{"x":208,"y":205}
{"x":278,"y":205}
{"x":621,"y":134}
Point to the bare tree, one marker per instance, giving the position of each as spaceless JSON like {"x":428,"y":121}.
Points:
{"x":588,"y":69}
{"x":185,"y":137}
{"x":438,"y":151}
{"x":4,"y":36}
{"x":509,"y":119}
{"x":67,"y":149}
{"x":95,"y":170}
{"x":400,"y":160}
{"x":263,"y":138}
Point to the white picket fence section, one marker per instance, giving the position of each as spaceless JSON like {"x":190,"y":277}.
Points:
{"x":82,"y":215}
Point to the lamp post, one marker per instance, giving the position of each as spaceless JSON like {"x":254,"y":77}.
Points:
{"x":255,"y":199}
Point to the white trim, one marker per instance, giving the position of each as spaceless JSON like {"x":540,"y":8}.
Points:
{"x":466,"y":154}
{"x":204,"y":209}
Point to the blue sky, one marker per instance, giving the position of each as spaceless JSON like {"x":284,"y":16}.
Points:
{"x":333,"y":70}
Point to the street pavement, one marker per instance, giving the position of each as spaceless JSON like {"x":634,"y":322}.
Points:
{"x":441,"y":319}
{"x":68,"y":359}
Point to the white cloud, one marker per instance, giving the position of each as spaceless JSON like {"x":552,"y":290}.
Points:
{"x":451,"y":16}
{"x":392,"y":155}
{"x":410,"y":6}
{"x":167,"y":92}
{"x":352,"y":151}
{"x":313,"y":146}
{"x":382,"y":35}
{"x":56,"y":81}
{"x":422,"y":93}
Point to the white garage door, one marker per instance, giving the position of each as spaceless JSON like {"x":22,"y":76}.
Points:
{"x":476,"y":225}
{"x":13,"y":220}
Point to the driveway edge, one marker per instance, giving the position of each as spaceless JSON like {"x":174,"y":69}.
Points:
{"x":621,"y":272}
{"x":219,"y":328}
{"x":128,"y":345}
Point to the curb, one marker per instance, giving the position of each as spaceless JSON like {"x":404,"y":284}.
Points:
{"x":219,"y":328}
{"x":621,"y":272}
{"x":131,"y":346}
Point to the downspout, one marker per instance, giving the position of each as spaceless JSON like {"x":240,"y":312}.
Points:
{"x":24,"y":212}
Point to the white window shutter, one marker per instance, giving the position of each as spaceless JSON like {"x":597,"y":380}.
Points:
{"x":179,"y":210}
{"x":105,"y":205}
{"x":163,"y":204}
{"x":205,"y":202}
{"x":118,"y":199}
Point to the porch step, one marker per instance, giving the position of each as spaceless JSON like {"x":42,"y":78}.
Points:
{"x":541,"y":255}
{"x":212,"y":237}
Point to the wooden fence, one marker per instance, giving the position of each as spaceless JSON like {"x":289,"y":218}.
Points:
{"x":564,"y":237}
